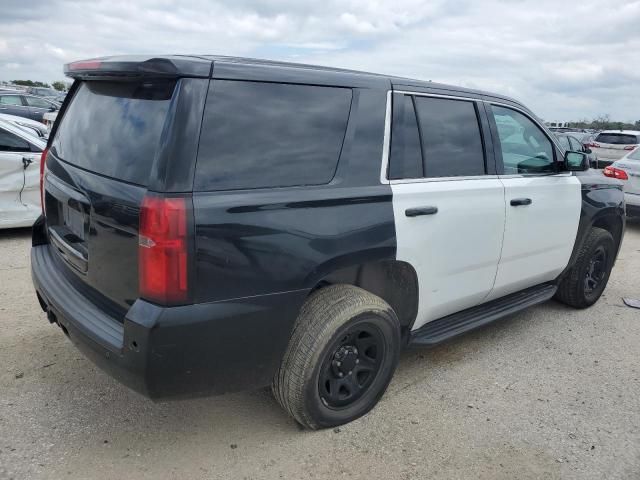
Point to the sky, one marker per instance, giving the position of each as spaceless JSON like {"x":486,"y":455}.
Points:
{"x":565,"y":59}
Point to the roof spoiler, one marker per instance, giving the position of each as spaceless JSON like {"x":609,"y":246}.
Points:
{"x":132,"y":67}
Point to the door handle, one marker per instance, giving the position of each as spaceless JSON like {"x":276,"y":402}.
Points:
{"x":516,"y":202}
{"x":416,"y":212}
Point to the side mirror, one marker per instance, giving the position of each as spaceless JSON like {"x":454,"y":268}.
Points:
{"x":587,"y":150}
{"x":576,"y":161}
{"x":52,"y":109}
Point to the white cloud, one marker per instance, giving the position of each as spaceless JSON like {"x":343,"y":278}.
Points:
{"x":574,"y":59}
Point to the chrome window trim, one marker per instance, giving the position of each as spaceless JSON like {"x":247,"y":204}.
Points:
{"x":444,"y":179}
{"x":386,"y":141}
{"x":438,"y":95}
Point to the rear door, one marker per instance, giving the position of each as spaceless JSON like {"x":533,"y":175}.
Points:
{"x":613,"y":145}
{"x":542,"y":206}
{"x":448,"y":203}
{"x":100,"y":164}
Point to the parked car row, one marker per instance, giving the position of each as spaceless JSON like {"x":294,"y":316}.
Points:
{"x":26,"y":105}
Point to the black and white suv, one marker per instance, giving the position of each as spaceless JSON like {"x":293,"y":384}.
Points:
{"x":214,"y":224}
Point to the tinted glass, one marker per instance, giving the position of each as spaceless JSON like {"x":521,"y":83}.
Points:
{"x":38,"y":102}
{"x":405,"y":158}
{"x":564,"y":142}
{"x":10,"y":142}
{"x":617,"y":139}
{"x":10,"y":100}
{"x":523,"y":145}
{"x":257,"y":135}
{"x":114,"y":128}
{"x":451,"y":141}
{"x":576,"y":145}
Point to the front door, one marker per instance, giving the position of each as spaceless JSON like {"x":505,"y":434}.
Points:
{"x":449,"y":213}
{"x":542,"y":207}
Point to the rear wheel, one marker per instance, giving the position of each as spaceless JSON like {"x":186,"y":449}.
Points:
{"x":340,"y":359}
{"x":588,"y":278}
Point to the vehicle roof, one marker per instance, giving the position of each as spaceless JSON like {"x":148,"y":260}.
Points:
{"x":627,"y":132}
{"x":9,"y":126}
{"x":23,"y":120}
{"x":256,"y":69}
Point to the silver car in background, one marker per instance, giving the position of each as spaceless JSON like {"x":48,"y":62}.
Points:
{"x":612,"y":145}
{"x":627,"y":169}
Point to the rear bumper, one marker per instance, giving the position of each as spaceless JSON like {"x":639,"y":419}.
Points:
{"x":181,"y":351}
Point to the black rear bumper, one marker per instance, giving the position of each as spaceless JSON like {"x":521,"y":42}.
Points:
{"x":199,"y":349}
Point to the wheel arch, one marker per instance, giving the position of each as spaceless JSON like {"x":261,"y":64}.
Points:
{"x":395,"y":281}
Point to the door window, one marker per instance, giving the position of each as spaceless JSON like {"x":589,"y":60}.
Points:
{"x":435,"y":137}
{"x":576,"y":146}
{"x":37,"y":102}
{"x":564,"y":142}
{"x":10,"y":142}
{"x":10,"y":100}
{"x":524,"y":147}
{"x":451,"y":140}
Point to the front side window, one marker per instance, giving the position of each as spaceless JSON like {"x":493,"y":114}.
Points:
{"x":524,"y":147}
{"x":564,"y":142}
{"x":576,"y":145}
{"x":451,"y":139}
{"x":10,"y":142}
{"x":261,"y":135}
{"x":10,"y":100}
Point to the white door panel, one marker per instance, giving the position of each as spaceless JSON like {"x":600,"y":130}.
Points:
{"x":455,"y":252}
{"x":538,"y":238}
{"x":19,"y":209}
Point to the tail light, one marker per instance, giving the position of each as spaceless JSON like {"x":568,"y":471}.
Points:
{"x":614,"y":172}
{"x":163,"y":250}
{"x":630,"y":147}
{"x":43,"y":161}
{"x":594,"y":145}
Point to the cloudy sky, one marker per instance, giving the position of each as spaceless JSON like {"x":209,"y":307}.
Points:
{"x":567,"y":59}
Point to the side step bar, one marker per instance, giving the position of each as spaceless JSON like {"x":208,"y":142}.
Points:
{"x":450,"y":326}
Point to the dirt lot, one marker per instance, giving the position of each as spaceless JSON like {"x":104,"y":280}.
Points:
{"x":549,"y":393}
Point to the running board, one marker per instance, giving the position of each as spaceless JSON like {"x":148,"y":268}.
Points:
{"x":447,"y":327}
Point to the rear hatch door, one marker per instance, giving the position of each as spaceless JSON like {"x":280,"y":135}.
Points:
{"x":99,"y":167}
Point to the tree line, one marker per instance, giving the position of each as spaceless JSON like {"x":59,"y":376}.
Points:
{"x":58,"y":85}
{"x":604,"y":122}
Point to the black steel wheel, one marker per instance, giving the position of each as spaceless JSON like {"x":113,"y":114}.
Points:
{"x":340,"y":359}
{"x":351,"y":365}
{"x":596,"y":270}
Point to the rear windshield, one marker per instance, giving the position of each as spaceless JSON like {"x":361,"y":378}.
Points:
{"x":617,"y":138}
{"x":114,"y":129}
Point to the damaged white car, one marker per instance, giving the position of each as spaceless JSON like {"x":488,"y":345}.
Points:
{"x":20,"y":153}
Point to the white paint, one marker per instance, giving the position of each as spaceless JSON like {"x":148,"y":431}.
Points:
{"x":538,"y":238}
{"x":456,"y":251}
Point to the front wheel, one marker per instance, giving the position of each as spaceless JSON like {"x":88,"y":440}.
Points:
{"x":588,"y":278}
{"x":340,"y":359}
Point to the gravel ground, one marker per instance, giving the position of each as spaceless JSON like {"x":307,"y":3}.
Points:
{"x":549,"y":393}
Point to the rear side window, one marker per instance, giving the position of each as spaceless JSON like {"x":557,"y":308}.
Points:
{"x":617,"y":139}
{"x":114,"y":129}
{"x":451,"y":140}
{"x":258,"y":135}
